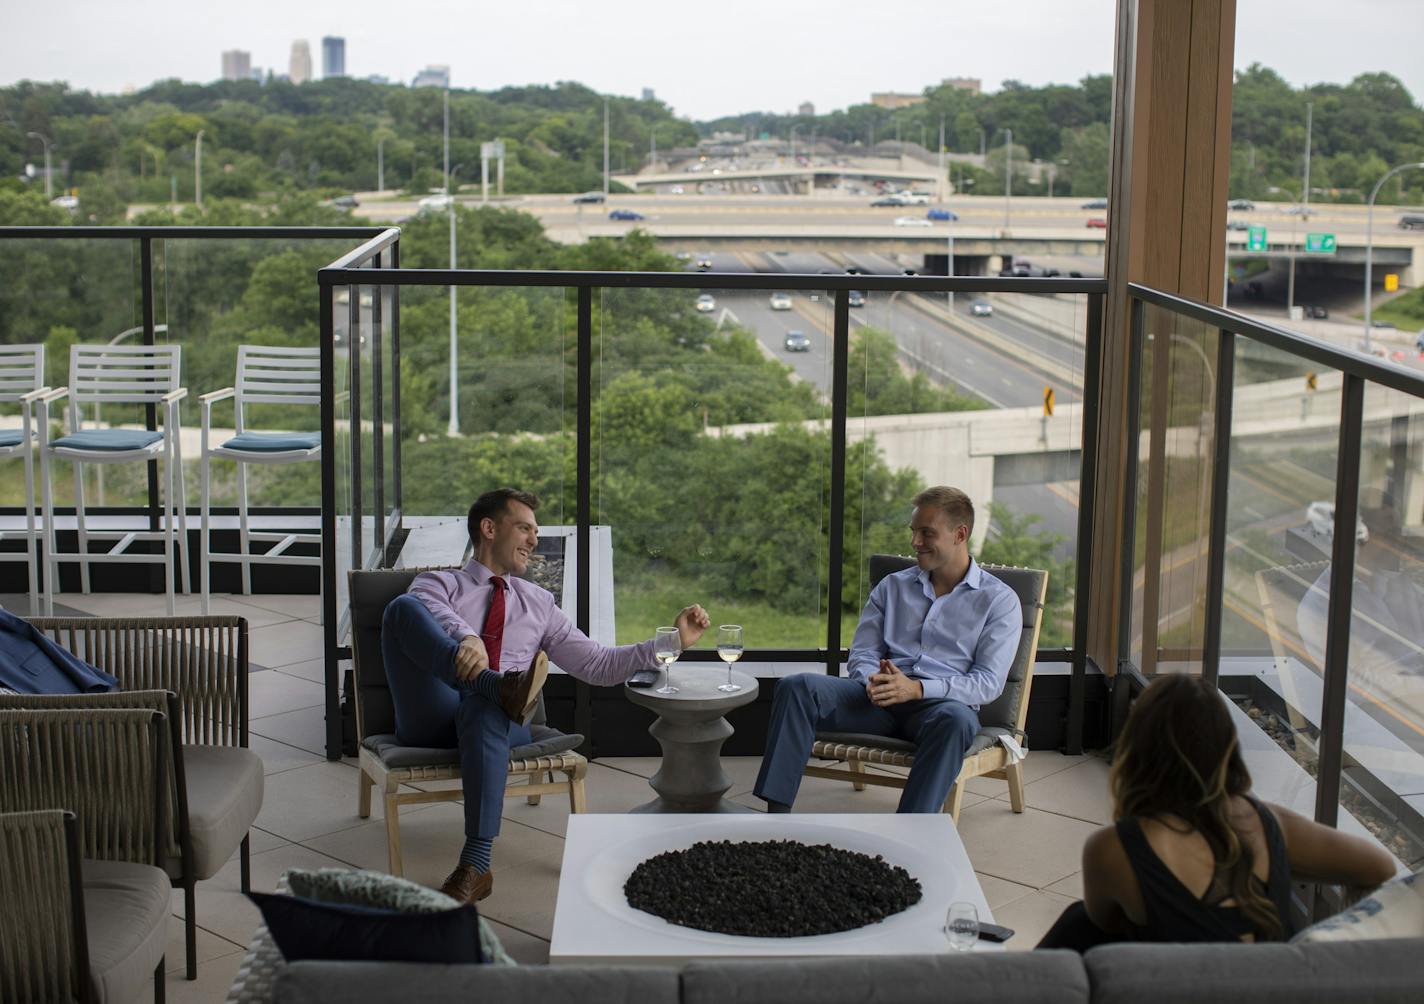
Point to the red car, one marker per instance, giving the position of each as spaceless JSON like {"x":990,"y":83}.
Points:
{"x":1097,"y":223}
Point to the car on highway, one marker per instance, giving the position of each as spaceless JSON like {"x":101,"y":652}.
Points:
{"x":889,"y":200}
{"x":981,"y":308}
{"x":1316,"y":311}
{"x":675,"y":190}
{"x":589,"y":197}
{"x":70,"y":202}
{"x":1298,"y":210}
{"x":1096,"y":204}
{"x":1321,"y":517}
{"x":1242,"y":205}
{"x":912,"y":221}
{"x":1097,"y":223}
{"x":1419,"y":341}
{"x":796,"y":341}
{"x":683,"y":256}
{"x":625,"y":214}
{"x":1237,"y":225}
{"x":915,"y":198}
{"x":855,"y":298}
{"x":344,"y":202}
{"x":1411,"y":221}
{"x":940,"y":213}
{"x":1381,"y":323}
{"x":706,"y":303}
{"x":780,"y":301}
{"x":704,"y":261}
{"x":433,"y":202}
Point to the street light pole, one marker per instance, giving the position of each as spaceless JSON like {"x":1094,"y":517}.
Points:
{"x":453,"y":429}
{"x":1008,"y":172}
{"x":1370,"y":243}
{"x":447,"y":142}
{"x":653,"y":148}
{"x":381,"y":164}
{"x":198,"y":169}
{"x":605,"y":149}
{"x":49,"y":177}
{"x":793,"y":144}
{"x":943,"y":175}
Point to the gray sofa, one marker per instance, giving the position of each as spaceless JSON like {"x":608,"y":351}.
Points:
{"x":1376,"y":971}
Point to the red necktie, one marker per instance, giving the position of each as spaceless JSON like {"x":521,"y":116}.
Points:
{"x":493,"y":632}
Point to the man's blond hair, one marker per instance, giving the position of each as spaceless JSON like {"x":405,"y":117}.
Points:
{"x":950,"y":501}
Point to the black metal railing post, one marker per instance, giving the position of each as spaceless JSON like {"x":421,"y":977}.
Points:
{"x":378,"y":431}
{"x":150,"y":411}
{"x":395,"y":390}
{"x":840,"y":364}
{"x":1128,"y":557}
{"x":1220,"y":486}
{"x":583,"y":461}
{"x":1341,"y":607}
{"x":353,"y":376}
{"x":331,"y":672}
{"x":1087,"y":503}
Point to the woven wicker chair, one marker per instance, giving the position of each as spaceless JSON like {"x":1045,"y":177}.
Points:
{"x":216,"y":782}
{"x":106,"y":768}
{"x":384,"y":762}
{"x":1005,"y":716}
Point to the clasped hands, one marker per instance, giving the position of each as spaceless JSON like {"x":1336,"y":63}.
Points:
{"x":891,"y":686}
{"x":471,"y":658}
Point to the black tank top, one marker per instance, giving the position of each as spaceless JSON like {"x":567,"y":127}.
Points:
{"x":1174,"y":914}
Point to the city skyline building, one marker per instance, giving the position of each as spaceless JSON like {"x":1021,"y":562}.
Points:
{"x":434,"y":75}
{"x":299,"y":66}
{"x":236,"y":64}
{"x":971,"y":84}
{"x":806,"y":108}
{"x":890,"y":100}
{"x":333,"y":57}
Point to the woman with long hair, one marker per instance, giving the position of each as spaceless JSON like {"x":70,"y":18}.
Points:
{"x":1193,"y":856}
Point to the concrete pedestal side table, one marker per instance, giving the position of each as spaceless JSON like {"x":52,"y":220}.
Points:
{"x":691,"y":730}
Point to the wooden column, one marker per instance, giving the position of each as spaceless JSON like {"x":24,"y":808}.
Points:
{"x":1171,"y":153}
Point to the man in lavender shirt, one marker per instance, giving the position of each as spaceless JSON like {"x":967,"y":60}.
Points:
{"x":447,"y":694}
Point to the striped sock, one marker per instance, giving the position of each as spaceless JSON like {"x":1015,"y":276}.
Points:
{"x":476,"y":852}
{"x":487,"y":685}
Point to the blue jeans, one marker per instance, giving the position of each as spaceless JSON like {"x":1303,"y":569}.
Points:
{"x":941,"y":729}
{"x":433,"y":710}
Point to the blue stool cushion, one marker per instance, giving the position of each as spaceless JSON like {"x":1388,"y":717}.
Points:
{"x":11,"y":437}
{"x":273,"y":442}
{"x":116,"y":440}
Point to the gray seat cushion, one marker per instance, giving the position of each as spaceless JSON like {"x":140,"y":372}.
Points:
{"x":1047,"y":977}
{"x":381,"y":983}
{"x":547,"y":742}
{"x":224,"y":797}
{"x":1382,"y":972}
{"x":126,"y":908}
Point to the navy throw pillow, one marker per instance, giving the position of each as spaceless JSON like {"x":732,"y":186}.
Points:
{"x":311,"y":929}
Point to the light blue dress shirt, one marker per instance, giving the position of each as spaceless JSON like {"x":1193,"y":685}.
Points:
{"x":959,"y":645}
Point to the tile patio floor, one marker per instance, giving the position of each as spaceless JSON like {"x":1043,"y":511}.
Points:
{"x":1028,"y":865}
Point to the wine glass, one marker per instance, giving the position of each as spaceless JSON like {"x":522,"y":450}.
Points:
{"x":961,"y":926}
{"x":667,"y":646}
{"x":729,"y":647}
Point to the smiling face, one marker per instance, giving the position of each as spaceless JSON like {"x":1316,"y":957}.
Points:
{"x":508,"y":539}
{"x":937,"y":544}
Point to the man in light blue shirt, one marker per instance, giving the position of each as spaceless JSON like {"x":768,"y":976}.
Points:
{"x":934,"y":644}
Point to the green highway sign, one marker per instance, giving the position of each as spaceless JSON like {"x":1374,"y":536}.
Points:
{"x":1319,"y":243}
{"x":1256,"y":239}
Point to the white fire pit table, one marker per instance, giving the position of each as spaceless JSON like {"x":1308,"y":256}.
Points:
{"x":593,"y":922}
{"x":691,"y":730}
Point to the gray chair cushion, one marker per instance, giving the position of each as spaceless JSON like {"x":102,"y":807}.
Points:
{"x":547,"y":742}
{"x":381,"y":983}
{"x":1047,"y":977}
{"x":1382,"y":972}
{"x":224,"y":798}
{"x":126,"y":909}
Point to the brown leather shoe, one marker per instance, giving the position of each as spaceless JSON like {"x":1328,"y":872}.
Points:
{"x":519,"y":689}
{"x":465,"y":885}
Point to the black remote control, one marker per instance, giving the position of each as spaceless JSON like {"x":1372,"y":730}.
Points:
{"x":643,"y":678}
{"x":995,"y":933}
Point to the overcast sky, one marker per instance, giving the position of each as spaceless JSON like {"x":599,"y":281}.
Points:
{"x":704,"y":59}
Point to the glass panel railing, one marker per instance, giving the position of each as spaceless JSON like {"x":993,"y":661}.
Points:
{"x":61,"y":293}
{"x":1382,"y":781}
{"x":711,"y":456}
{"x":1284,"y":450}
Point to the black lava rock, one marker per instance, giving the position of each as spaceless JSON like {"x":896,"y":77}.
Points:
{"x":771,"y":888}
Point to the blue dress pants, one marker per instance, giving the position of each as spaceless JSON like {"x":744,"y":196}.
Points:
{"x":941,"y":729}
{"x":433,"y":710}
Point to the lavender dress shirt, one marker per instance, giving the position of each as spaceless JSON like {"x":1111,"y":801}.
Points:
{"x":458,"y":600}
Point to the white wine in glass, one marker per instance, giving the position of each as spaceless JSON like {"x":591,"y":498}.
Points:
{"x":729,"y":647}
{"x":667,"y":647}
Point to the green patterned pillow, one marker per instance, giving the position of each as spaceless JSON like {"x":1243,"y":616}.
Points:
{"x":377,"y":889}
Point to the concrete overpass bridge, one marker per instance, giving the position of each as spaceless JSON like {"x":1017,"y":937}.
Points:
{"x":802,"y":180}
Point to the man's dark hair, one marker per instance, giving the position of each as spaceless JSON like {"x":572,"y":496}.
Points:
{"x":494,"y":504}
